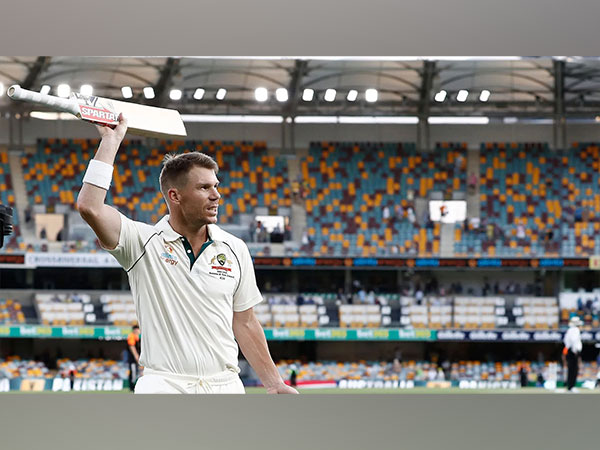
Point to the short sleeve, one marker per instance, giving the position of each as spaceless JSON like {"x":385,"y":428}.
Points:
{"x":130,"y":245}
{"x":247,"y":293}
{"x":131,"y":340}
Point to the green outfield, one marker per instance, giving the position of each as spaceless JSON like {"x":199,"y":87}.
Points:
{"x":424,"y":390}
{"x":336,"y":391}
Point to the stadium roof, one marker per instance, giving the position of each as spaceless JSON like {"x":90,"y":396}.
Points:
{"x":518,"y":86}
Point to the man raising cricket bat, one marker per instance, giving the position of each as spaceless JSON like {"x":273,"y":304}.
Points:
{"x":193,"y":284}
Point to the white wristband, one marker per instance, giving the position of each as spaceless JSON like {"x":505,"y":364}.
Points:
{"x":99,"y":174}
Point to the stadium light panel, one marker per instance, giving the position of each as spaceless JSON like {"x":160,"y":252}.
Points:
{"x":45,"y":89}
{"x":215,"y":118}
{"x":199,"y":93}
{"x":149,"y":92}
{"x":330,"y":95}
{"x":380,"y":120}
{"x":316,"y":119}
{"x":126,"y":92}
{"x":484,"y":96}
{"x":406,"y":120}
{"x":43,"y":115}
{"x":457,"y":120}
{"x":63,"y":90}
{"x":281,"y":95}
{"x":221,"y":93}
{"x":462,"y":95}
{"x":175,"y":94}
{"x":352,"y":95}
{"x":440,"y":96}
{"x":371,"y":95}
{"x":86,"y":89}
{"x":308,"y":95}
{"x":261,"y":94}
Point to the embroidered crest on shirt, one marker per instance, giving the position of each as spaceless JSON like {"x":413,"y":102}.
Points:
{"x":221,"y":266}
{"x":168,"y":256}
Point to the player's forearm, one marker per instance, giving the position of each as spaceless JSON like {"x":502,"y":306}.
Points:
{"x":91,"y":198}
{"x":251,"y":339}
{"x":107,"y":150}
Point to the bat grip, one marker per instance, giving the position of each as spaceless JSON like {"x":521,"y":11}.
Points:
{"x":58,"y":104}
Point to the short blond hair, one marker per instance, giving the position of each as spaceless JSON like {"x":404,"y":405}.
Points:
{"x":176,"y":167}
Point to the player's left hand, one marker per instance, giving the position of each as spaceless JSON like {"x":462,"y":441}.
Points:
{"x":282,"y":389}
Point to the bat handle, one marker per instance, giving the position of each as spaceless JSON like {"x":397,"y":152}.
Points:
{"x":16,"y":92}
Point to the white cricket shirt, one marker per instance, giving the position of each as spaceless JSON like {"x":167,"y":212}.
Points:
{"x":572,"y":340}
{"x":185,"y":304}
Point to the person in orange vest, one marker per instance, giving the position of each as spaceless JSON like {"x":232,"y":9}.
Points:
{"x":133,"y":355}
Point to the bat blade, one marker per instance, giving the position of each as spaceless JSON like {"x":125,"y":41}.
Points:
{"x":141,"y":119}
{"x":151,"y":121}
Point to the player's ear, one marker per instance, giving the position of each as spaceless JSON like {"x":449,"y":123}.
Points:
{"x":174,"y":196}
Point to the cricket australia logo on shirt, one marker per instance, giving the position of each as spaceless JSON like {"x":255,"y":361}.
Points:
{"x":168,"y":255}
{"x":220,"y":266}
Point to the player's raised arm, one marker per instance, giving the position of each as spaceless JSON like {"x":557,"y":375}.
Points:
{"x":103,"y":219}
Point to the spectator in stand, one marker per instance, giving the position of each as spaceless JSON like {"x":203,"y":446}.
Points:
{"x":362,"y":296}
{"x":520,"y":231}
{"x":523,"y":375}
{"x":257,"y":231}
{"x":386,"y":214}
{"x":472,"y":182}
{"x":411,"y":216}
{"x":490,"y":231}
{"x":371,"y":297}
{"x":419,"y":295}
{"x":486,"y":288}
{"x":252,"y":231}
{"x":287,"y":233}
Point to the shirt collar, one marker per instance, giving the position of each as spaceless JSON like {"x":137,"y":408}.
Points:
{"x":169,"y":234}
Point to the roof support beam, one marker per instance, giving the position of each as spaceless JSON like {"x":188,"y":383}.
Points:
{"x":428,"y":74}
{"x":36,"y":70}
{"x":164,"y":83}
{"x":559,"y":127}
{"x":289,"y":110}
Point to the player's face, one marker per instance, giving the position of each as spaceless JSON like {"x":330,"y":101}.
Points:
{"x":200,"y":197}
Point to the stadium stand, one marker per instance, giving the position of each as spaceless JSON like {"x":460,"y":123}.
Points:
{"x":249,"y":176}
{"x":536,"y":312}
{"x":535,"y":202}
{"x":11,"y":312}
{"x":358,"y":197}
{"x":351,"y":184}
{"x":118,"y":309}
{"x":15,"y":367}
{"x":359,"y":316}
{"x":93,"y":368}
{"x":285,"y":313}
{"x":62,"y":309}
{"x":7,"y":197}
{"x":427,"y":371}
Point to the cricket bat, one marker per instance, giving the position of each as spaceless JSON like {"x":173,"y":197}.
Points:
{"x":142,"y":120}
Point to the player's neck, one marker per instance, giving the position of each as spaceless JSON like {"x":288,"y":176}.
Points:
{"x":193,"y":233}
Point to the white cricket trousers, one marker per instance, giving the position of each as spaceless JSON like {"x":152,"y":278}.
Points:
{"x":156,"y":382}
